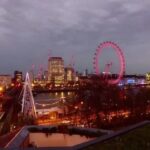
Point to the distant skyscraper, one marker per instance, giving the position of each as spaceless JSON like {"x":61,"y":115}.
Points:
{"x":18,"y":76}
{"x":69,"y":74}
{"x":56,"y":70}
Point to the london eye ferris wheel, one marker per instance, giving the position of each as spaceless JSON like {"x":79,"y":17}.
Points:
{"x":120,"y":57}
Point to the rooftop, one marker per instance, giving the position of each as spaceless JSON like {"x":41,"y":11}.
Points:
{"x":5,"y":139}
{"x":54,"y":58}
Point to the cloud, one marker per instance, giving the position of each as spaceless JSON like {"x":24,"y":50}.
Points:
{"x":28,"y":29}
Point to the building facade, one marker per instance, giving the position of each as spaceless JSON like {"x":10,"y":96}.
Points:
{"x":18,"y":76}
{"x":56,"y":70}
{"x":45,"y":75}
{"x":69,"y":74}
{"x":5,"y":80}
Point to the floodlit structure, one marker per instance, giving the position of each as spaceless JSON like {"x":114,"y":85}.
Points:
{"x":28,"y":105}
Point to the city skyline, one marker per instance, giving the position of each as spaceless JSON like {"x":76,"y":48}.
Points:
{"x":31,"y":31}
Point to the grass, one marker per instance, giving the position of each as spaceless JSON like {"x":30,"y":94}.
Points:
{"x":138,"y":139}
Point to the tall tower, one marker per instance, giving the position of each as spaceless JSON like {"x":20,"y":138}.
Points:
{"x":28,"y":105}
{"x":56,"y":70}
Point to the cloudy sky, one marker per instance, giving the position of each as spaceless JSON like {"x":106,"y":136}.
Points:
{"x":32,"y":30}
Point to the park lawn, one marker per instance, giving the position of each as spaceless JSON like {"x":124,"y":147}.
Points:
{"x":138,"y":139}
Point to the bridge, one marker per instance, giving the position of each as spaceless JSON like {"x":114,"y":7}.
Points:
{"x":29,"y":106}
{"x":35,"y":91}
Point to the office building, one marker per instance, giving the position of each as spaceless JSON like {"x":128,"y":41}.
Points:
{"x":5,"y":80}
{"x":69,"y":74}
{"x":56,"y":70}
{"x":17,"y":76}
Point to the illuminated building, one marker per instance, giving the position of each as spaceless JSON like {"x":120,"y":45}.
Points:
{"x":5,"y":80}
{"x":69,"y":74}
{"x":132,"y":80}
{"x":18,"y":76}
{"x":56,"y":70}
{"x":148,"y":76}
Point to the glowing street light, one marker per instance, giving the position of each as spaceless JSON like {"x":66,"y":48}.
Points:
{"x":43,"y":105}
{"x":76,"y":107}
{"x":1,"y":89}
{"x":82,"y":102}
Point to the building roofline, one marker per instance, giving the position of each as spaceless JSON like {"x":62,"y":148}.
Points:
{"x":55,"y":58}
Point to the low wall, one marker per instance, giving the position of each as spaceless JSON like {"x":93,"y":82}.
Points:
{"x":21,"y":140}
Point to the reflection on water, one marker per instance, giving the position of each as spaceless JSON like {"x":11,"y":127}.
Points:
{"x":49,"y":100}
{"x":56,"y":139}
{"x":55,"y":95}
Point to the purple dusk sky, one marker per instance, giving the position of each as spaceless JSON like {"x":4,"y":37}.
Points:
{"x":31,"y":30}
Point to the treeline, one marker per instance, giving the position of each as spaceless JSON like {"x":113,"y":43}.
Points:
{"x":109,"y":105}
